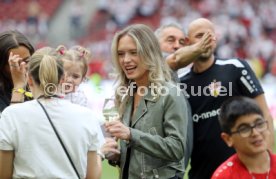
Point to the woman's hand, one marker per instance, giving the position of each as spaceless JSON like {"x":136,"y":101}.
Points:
{"x":18,"y":71}
{"x":110,"y":149}
{"x":110,"y":145}
{"x":117,"y":129}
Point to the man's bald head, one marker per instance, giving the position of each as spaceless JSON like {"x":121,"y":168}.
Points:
{"x":201,"y":23}
{"x":196,"y":31}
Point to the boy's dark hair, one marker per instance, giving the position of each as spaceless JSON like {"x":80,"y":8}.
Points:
{"x":234,"y":108}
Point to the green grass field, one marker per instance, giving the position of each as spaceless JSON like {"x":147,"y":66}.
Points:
{"x":110,"y":172}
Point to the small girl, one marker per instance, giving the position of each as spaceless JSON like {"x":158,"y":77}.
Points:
{"x":75,"y":61}
{"x":75,"y":65}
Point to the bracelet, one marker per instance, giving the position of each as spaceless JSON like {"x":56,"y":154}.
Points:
{"x":101,"y":155}
{"x":22,"y":91}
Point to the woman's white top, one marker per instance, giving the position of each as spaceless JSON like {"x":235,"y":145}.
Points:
{"x":25,"y":129}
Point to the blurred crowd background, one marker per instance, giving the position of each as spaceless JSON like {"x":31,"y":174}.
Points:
{"x":245,"y":28}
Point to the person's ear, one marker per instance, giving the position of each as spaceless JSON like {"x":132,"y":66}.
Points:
{"x":227,"y":139}
{"x":30,"y":80}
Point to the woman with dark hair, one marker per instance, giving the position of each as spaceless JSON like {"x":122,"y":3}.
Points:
{"x":15,"y":49}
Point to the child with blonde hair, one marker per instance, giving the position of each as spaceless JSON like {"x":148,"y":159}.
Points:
{"x":75,"y":62}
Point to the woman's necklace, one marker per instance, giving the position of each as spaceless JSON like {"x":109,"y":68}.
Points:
{"x":267,"y":173}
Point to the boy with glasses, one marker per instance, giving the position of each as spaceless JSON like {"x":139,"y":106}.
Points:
{"x":245,"y":129}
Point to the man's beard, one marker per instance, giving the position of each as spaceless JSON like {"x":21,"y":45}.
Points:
{"x":205,"y":56}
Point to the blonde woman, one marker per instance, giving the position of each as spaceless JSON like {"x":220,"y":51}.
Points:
{"x":153,"y":124}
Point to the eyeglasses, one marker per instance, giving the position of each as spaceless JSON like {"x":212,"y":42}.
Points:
{"x":246,"y":129}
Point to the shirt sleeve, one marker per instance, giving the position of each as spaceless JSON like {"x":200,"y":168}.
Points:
{"x":7,"y":131}
{"x":229,"y":169}
{"x":248,"y":82}
{"x":97,"y":138}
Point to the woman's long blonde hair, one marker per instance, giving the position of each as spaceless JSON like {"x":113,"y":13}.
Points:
{"x":46,"y":68}
{"x":150,"y":54}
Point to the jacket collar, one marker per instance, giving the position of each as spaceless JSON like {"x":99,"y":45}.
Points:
{"x":150,"y":97}
{"x":141,"y":110}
